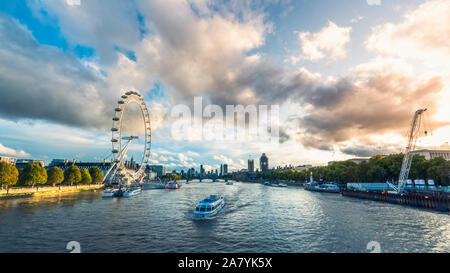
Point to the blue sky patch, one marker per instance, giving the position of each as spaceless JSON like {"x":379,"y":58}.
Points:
{"x":45,"y":29}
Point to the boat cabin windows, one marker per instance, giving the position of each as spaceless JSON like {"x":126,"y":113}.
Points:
{"x":205,"y":208}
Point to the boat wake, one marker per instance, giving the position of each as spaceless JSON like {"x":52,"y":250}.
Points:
{"x":238,"y":207}
{"x":191,"y":216}
{"x":198,"y":218}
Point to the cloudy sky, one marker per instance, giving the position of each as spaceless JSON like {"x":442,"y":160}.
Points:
{"x":347,"y":75}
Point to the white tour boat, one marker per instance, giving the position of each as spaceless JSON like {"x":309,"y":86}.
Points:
{"x":209,"y":206}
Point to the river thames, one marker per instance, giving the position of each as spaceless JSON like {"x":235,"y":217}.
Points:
{"x":256,"y":218}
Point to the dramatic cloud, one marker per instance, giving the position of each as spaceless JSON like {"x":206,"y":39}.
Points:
{"x":284,"y":136}
{"x":367,"y":151}
{"x":377,"y":100}
{"x":380,"y":96}
{"x":41,"y":82}
{"x":371,"y":147}
{"x":9,"y":151}
{"x":424,"y":34}
{"x":198,"y":55}
{"x":328,"y":43}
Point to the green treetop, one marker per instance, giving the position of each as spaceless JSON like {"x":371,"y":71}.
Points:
{"x":85,"y":177}
{"x":96,"y":174}
{"x":9,"y":175}
{"x":72,"y":175}
{"x":55,"y":176}
{"x":33,"y":174}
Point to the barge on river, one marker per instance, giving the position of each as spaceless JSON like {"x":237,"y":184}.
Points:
{"x":434,"y":199}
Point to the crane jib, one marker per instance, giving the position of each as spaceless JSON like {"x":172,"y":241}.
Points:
{"x":412,"y":139}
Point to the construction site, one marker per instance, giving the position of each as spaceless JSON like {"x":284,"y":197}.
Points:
{"x":416,"y":193}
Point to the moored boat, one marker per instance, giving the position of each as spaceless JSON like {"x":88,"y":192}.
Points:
{"x":109,"y":193}
{"x":173,"y":186}
{"x":121,"y":192}
{"x":275,"y":184}
{"x":131,"y":192}
{"x":323,"y":187}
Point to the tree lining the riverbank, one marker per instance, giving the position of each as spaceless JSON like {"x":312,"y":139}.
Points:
{"x":9,"y":175}
{"x":33,"y":175}
{"x":376,"y":169}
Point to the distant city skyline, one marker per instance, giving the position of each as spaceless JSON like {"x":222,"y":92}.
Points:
{"x":347,"y":76}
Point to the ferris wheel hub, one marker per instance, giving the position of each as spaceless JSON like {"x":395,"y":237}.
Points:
{"x":131,"y":137}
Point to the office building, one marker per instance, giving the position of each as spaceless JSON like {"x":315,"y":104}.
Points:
{"x":8,"y":159}
{"x":430,"y":154}
{"x":63,"y":164}
{"x":22,"y":163}
{"x":251,"y":165}
{"x":225,"y":169}
{"x":160,"y":170}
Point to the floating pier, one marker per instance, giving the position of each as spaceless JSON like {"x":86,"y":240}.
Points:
{"x":434,"y":200}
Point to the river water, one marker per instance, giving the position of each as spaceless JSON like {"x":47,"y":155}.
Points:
{"x":256,"y":218}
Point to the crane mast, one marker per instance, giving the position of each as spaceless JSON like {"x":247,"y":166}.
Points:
{"x":407,"y":159}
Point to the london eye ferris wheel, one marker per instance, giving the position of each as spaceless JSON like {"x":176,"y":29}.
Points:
{"x":118,"y":173}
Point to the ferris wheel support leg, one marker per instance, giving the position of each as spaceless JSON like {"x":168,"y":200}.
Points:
{"x":107,"y":173}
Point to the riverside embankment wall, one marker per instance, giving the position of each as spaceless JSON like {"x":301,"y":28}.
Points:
{"x":29,"y":191}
